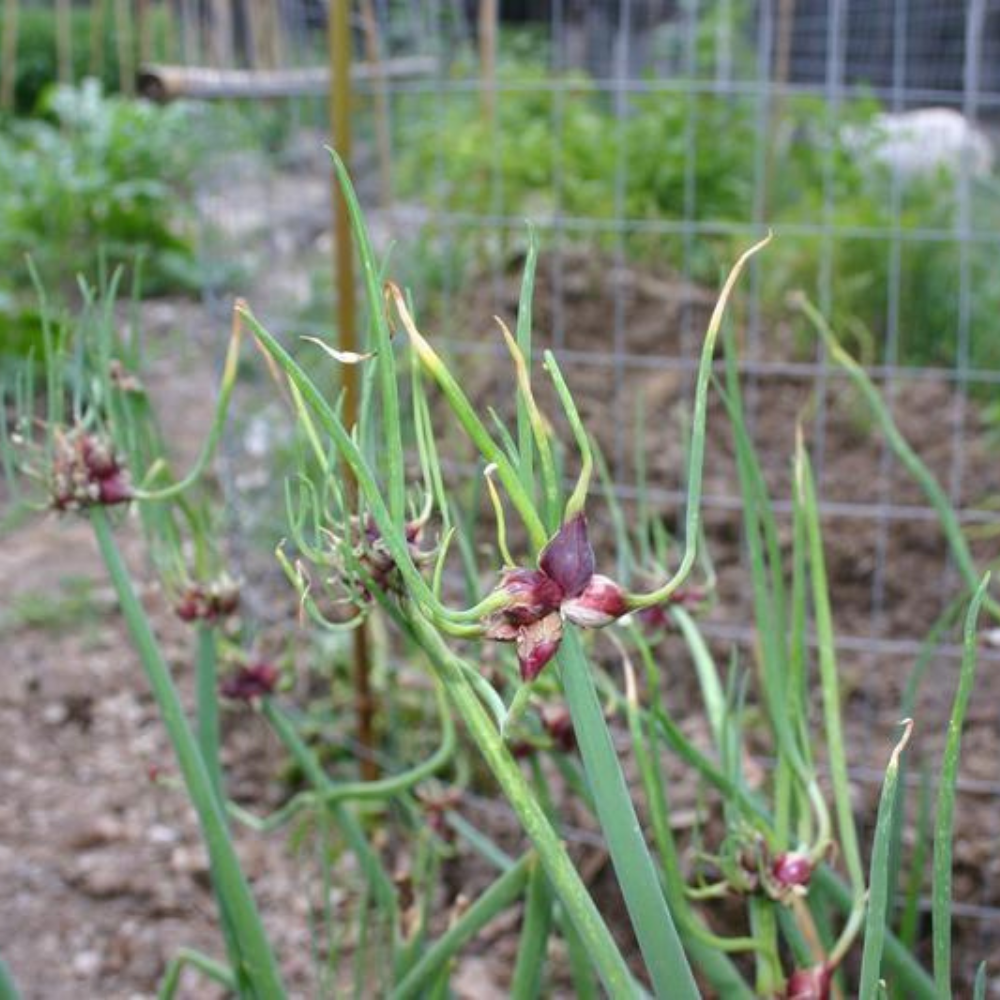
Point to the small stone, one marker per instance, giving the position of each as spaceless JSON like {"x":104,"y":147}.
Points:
{"x":55,"y":714}
{"x":159,"y":833}
{"x":96,"y":833}
{"x":86,"y":963}
{"x":188,"y":860}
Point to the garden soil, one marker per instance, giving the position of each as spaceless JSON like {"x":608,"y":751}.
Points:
{"x":101,"y":874}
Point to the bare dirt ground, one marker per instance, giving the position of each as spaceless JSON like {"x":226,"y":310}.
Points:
{"x":101,"y":875}
{"x":884,"y":600}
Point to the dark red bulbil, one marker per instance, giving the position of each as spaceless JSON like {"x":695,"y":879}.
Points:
{"x":256,"y":680}
{"x":791,"y":869}
{"x":532,"y":595}
{"x":658,"y":616}
{"x":373,"y":554}
{"x":87,"y":473}
{"x":809,"y":984}
{"x":563,"y":586}
{"x":558,"y":724}
{"x":211,"y":603}
{"x":569,"y":557}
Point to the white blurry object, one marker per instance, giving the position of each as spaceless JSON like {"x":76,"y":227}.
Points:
{"x":918,"y":143}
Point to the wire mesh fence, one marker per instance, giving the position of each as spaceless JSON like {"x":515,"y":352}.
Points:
{"x":646,"y":141}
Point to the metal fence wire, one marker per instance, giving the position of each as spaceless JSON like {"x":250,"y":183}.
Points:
{"x":892,"y":230}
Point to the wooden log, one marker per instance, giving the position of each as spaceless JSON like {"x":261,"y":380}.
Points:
{"x":168,"y":83}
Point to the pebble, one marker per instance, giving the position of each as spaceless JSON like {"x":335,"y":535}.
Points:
{"x":86,"y":963}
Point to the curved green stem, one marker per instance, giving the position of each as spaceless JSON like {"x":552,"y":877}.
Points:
{"x":651,"y":919}
{"x":846,"y":828}
{"x":470,"y":421}
{"x":696,"y":459}
{"x":218,"y":424}
{"x":257,"y":956}
{"x":563,"y":876}
{"x":378,"y":879}
{"x":208,"y":967}
{"x":385,"y":358}
{"x":578,"y":497}
{"x":943,"y":828}
{"x":207,"y":710}
{"x":910,"y":459}
{"x":502,"y":893}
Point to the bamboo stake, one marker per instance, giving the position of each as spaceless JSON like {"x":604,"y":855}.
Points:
{"x":782,"y":68}
{"x":8,"y":64}
{"x":340,"y":128}
{"x":383,"y":134}
{"x":189,"y":32}
{"x":64,"y":42}
{"x":96,"y":67}
{"x":221,"y":34}
{"x":488,"y":57}
{"x":144,"y":30}
{"x":123,"y":37}
{"x":272,"y":34}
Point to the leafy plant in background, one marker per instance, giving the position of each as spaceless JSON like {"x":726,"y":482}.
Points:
{"x":564,"y":144}
{"x":93,"y":55}
{"x":93,"y":182}
{"x":564,"y":648}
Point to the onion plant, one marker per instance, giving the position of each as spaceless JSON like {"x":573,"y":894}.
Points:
{"x":541,"y":654}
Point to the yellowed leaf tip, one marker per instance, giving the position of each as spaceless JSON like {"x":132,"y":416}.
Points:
{"x":344,"y":357}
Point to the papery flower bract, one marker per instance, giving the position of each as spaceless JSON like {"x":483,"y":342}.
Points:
{"x":601,"y":602}
{"x":532,"y":594}
{"x":537,"y":643}
{"x":563,"y":586}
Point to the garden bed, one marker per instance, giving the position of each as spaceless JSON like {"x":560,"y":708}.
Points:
{"x":101,"y":870}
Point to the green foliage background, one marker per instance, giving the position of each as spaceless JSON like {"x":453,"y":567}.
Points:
{"x":691,"y":157}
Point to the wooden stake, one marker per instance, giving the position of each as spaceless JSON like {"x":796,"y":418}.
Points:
{"x":221,"y":35}
{"x":782,"y":69}
{"x":64,"y":41}
{"x":488,"y":57}
{"x":8,"y":62}
{"x":340,"y":128}
{"x":144,"y":30}
{"x":96,"y":66}
{"x":123,"y":36}
{"x":383,"y":133}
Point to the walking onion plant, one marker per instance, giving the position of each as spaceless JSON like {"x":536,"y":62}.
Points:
{"x":372,"y":525}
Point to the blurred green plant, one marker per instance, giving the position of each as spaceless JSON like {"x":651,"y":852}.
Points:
{"x":517,"y":649}
{"x":91,"y":183}
{"x":560,"y":145}
{"x":37,"y":60}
